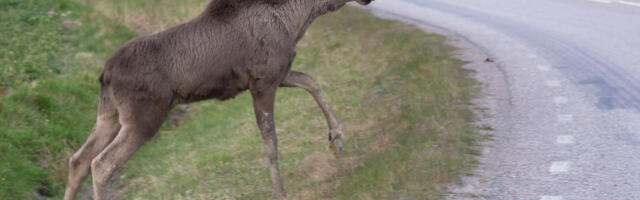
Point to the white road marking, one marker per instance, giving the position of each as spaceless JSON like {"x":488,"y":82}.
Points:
{"x":602,"y":1}
{"x":560,"y":100}
{"x":559,"y":167}
{"x":565,"y":139}
{"x":565,"y":118}
{"x":629,"y":3}
{"x":544,"y":68}
{"x":551,"y":198}
{"x":553,"y":83}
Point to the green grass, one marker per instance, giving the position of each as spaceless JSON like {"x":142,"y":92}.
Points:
{"x":48,"y":89}
{"x":401,"y":94}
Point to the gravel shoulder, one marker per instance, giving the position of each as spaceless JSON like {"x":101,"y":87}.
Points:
{"x":492,"y":106}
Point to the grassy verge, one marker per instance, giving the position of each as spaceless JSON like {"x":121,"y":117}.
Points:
{"x":50,"y":53}
{"x":400,"y":93}
{"x":402,"y":97}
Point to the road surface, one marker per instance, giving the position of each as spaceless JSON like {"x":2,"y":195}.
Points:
{"x":567,"y":123}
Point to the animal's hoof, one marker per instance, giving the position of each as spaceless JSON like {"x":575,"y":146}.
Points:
{"x":336,"y":139}
{"x":336,"y":148}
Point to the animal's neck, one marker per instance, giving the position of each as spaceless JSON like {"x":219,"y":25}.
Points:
{"x":293,"y":15}
{"x":298,"y":15}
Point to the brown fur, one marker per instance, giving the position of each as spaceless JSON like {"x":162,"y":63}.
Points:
{"x":227,"y":8}
{"x":233,"y":46}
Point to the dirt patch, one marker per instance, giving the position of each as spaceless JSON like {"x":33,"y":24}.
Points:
{"x":319,"y":166}
{"x":382,"y":143}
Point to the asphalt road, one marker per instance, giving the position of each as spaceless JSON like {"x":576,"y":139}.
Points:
{"x":567,"y":121}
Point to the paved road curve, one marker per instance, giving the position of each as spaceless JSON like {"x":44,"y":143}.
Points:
{"x":569,"y":125}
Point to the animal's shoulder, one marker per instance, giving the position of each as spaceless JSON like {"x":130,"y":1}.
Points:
{"x":226,"y":3}
{"x":222,"y":8}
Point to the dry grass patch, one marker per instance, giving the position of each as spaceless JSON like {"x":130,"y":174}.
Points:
{"x":319,"y":166}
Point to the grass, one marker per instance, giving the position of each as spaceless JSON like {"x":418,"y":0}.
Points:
{"x":50,"y":53}
{"x":401,"y":94}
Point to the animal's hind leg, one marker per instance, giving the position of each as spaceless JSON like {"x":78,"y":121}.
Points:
{"x":104,"y":131}
{"x":304,"y":81}
{"x":140,"y":122}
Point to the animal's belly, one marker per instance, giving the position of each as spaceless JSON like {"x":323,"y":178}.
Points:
{"x":212,"y":87}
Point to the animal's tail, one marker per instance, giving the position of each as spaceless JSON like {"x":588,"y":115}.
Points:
{"x":104,"y":79}
{"x":107,"y":106}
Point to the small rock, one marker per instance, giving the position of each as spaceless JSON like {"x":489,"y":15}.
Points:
{"x":66,"y":13}
{"x":5,"y":92}
{"x":71,"y":24}
{"x":488,"y":60}
{"x":180,"y":112}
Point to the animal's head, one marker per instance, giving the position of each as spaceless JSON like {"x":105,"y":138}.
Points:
{"x":321,"y":7}
{"x":364,"y":2}
{"x":333,"y":5}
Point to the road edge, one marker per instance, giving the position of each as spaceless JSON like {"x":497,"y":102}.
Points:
{"x":491,"y":106}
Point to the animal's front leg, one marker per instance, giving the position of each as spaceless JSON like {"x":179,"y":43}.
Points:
{"x":263,"y":100}
{"x":304,"y":81}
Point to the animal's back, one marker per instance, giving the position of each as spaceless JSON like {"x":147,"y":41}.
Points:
{"x":194,"y":61}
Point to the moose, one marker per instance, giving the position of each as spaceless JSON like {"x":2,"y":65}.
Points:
{"x":231,"y":47}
